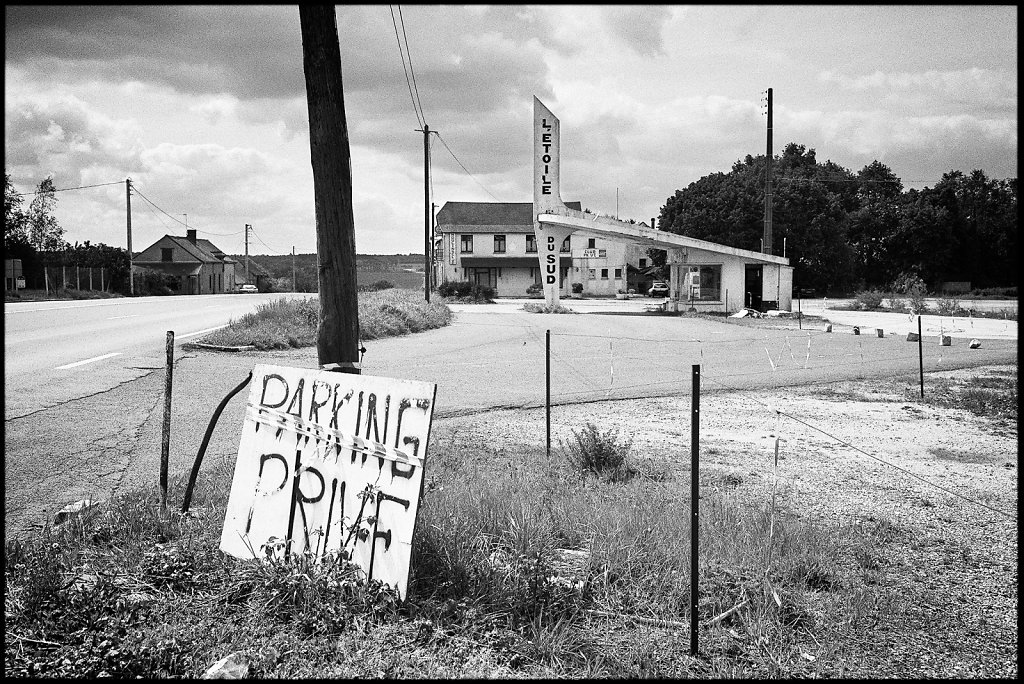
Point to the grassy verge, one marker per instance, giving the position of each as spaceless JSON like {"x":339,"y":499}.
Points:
{"x":521,"y":567}
{"x":58,"y":294}
{"x":291,"y":323}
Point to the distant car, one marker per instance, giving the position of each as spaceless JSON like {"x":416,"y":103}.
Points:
{"x":658,"y":289}
{"x":247,"y":288}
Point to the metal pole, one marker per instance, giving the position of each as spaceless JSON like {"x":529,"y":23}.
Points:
{"x":920,"y":353}
{"x":547,"y":380}
{"x":766,"y":245}
{"x":799,"y":312}
{"x":165,"y":442}
{"x":694,"y":503}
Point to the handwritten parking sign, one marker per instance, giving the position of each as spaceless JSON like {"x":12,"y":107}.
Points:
{"x":330,"y":462}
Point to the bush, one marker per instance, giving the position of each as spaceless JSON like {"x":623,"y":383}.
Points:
{"x":948,"y":306}
{"x":465,"y":290}
{"x":535,"y":291}
{"x":911,"y":285}
{"x":544,"y":308}
{"x":869,"y":300}
{"x":376,"y":286}
{"x":600,"y":454}
{"x":577,"y":288}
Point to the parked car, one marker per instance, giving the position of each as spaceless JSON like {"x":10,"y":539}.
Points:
{"x":658,"y":289}
{"x":247,"y":288}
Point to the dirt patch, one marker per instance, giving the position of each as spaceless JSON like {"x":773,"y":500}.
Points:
{"x":859,"y":453}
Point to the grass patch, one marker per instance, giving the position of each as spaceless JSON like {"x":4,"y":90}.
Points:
{"x":516,"y":566}
{"x":544,"y":308}
{"x":986,"y":396}
{"x":292,"y":323}
{"x":58,"y":294}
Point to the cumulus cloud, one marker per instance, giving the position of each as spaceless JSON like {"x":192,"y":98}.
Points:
{"x":986,"y":88}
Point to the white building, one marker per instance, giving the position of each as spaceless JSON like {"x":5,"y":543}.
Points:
{"x":494,"y":244}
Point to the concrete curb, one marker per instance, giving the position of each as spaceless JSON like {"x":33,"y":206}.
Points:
{"x":217,"y":347}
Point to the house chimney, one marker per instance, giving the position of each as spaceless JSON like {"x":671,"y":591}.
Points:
{"x":191,"y":235}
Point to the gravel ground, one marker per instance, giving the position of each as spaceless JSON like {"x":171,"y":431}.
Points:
{"x":948,"y":574}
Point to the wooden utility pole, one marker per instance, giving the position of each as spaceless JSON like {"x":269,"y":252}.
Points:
{"x":247,"y":227}
{"x":293,"y":269}
{"x":131,"y":264}
{"x":426,"y":212}
{"x":338,"y":333}
{"x":766,"y":243}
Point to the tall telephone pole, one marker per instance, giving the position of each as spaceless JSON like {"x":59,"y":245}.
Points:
{"x":766,"y":245}
{"x":131,"y":262}
{"x":247,"y":227}
{"x":426,"y":212}
{"x":337,"y":339}
{"x":293,"y":269}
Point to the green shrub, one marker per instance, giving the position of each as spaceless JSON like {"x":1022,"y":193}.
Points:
{"x":376,"y":286}
{"x":869,"y":300}
{"x":577,"y":288}
{"x":465,"y":290}
{"x":948,"y":306}
{"x":544,"y":308}
{"x":599,"y":453}
{"x":911,"y":285}
{"x":535,"y":291}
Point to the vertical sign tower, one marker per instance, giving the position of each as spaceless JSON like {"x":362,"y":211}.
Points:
{"x":547,"y":198}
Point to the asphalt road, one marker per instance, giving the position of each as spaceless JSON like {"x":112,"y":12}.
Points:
{"x":58,"y":351}
{"x":491,"y":357}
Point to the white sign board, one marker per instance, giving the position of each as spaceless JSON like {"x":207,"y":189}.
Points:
{"x":330,"y":462}
{"x":589,"y":254}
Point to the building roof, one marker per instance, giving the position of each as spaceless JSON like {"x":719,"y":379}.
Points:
{"x":489,"y":213}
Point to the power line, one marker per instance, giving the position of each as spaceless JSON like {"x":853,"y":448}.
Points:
{"x":176,"y":220}
{"x":411,"y":70}
{"x":80,"y":187}
{"x":464,"y":167}
{"x":276,"y":252}
{"x":401,"y":53}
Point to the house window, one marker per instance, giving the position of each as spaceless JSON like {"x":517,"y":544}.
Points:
{"x":643,"y":263}
{"x":618,"y":274}
{"x":531,"y":243}
{"x":565,"y":244}
{"x":710,"y":284}
{"x":602,"y":253}
{"x":466,"y":244}
{"x":499,"y":244}
{"x":591,"y":243}
{"x":592,"y":273}
{"x":166,"y":254}
{"x":604,"y":274}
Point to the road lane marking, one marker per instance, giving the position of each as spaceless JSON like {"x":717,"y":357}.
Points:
{"x":199,"y":332}
{"x":82,"y":363}
{"x":114,"y":318}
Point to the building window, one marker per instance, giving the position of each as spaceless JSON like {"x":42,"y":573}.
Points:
{"x":466,"y":244}
{"x":166,"y":254}
{"x":708,"y":288}
{"x":531,"y":243}
{"x":643,"y":263}
{"x":602,"y":253}
{"x":604,"y":274}
{"x":499,"y":244}
{"x":565,"y":244}
{"x":618,"y":274}
{"x":591,"y":243}
{"x":592,"y":274}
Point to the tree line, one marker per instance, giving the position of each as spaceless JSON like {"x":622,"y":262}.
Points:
{"x":846,"y":231}
{"x":34,"y":235}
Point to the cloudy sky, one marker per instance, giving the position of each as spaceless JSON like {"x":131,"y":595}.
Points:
{"x":204,"y":108}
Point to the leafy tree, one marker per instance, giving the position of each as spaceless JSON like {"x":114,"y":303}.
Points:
{"x":15,"y":220}
{"x":44,"y":232}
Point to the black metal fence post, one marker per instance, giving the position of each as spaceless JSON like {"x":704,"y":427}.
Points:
{"x":165,"y":442}
{"x":694,"y":503}
{"x":547,"y":382}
